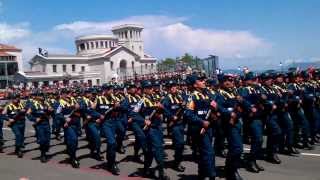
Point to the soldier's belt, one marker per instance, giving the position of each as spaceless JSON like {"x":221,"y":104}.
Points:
{"x":175,"y":107}
{"x":230,"y":109}
{"x":104,"y":107}
{"x":202,"y":112}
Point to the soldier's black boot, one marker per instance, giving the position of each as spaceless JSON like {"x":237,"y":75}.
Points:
{"x":19,"y":152}
{"x":162,"y":175}
{"x":96,"y":156}
{"x":147,"y":173}
{"x":273,"y":158}
{"x":308,"y":146}
{"x":233,"y":174}
{"x":260,"y":168}
{"x":121,"y":150}
{"x":252,"y":166}
{"x":1,"y":146}
{"x":292,"y":150}
{"x":75,"y":163}
{"x":43,"y":157}
{"x":113,"y":168}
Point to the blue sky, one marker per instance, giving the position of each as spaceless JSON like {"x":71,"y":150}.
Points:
{"x":256,"y":33}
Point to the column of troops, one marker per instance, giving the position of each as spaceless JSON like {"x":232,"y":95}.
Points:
{"x":229,"y":110}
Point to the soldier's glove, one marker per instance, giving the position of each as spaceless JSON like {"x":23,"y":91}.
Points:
{"x":205,"y":124}
{"x":214,"y":104}
{"x":174,"y":118}
{"x":38,"y":120}
{"x":233,"y":118}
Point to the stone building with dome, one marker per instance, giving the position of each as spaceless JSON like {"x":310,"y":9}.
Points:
{"x":98,"y":59}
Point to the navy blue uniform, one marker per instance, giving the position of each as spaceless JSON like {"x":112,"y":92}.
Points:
{"x":197,"y":109}
{"x":228,"y":104}
{"x":154,"y":134}
{"x":173,"y":111}
{"x":37,"y":113}
{"x":16,"y":112}
{"x":297,"y":113}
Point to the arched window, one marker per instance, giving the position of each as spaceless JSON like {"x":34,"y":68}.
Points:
{"x":132,"y":64}
{"x":106,"y":44}
{"x":151,"y":66}
{"x":146,"y":66}
{"x":82,"y":47}
{"x":92,"y":45}
{"x":111,"y":65}
{"x":101,"y":44}
{"x":123,"y":64}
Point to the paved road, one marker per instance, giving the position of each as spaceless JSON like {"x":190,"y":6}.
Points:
{"x":304,"y":167}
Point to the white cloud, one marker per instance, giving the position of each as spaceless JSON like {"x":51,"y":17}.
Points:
{"x":13,"y":32}
{"x":164,"y":36}
{"x":171,"y":36}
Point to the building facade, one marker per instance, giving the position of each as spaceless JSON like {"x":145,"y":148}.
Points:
{"x":99,"y":58}
{"x":10,"y":64}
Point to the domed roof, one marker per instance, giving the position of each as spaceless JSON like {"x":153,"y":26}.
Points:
{"x":96,"y":37}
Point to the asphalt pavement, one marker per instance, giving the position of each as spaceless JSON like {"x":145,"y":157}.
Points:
{"x":305,"y":166}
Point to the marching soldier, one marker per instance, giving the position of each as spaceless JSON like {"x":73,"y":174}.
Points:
{"x":269,"y":98}
{"x":14,"y":113}
{"x":286,"y":122}
{"x":71,"y":116}
{"x":151,"y":111}
{"x":109,"y":126}
{"x":135,"y":120}
{"x":37,"y":113}
{"x":296,"y":111}
{"x":2,"y":118}
{"x":229,"y":105}
{"x":89,"y":105}
{"x":253,"y":119}
{"x":173,"y":111}
{"x":196,"y":113}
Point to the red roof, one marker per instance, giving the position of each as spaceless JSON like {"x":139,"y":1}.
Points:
{"x":4,"y":47}
{"x":4,"y":54}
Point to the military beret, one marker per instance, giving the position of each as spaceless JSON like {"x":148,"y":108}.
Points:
{"x":131,"y":84}
{"x":213,"y":82}
{"x":249,"y":76}
{"x":146,"y":83}
{"x":171,"y":82}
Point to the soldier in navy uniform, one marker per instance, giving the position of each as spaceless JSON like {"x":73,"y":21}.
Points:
{"x":109,"y":127}
{"x":89,"y":105}
{"x":14,"y":114}
{"x":197,"y":110}
{"x":37,"y":112}
{"x":286,"y":123}
{"x":269,"y":97}
{"x":173,"y":111}
{"x":253,"y":119}
{"x":71,"y":117}
{"x":135,"y":120}
{"x":151,"y":111}
{"x":230,"y":107}
{"x":295,"y":94}
{"x":2,"y":118}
